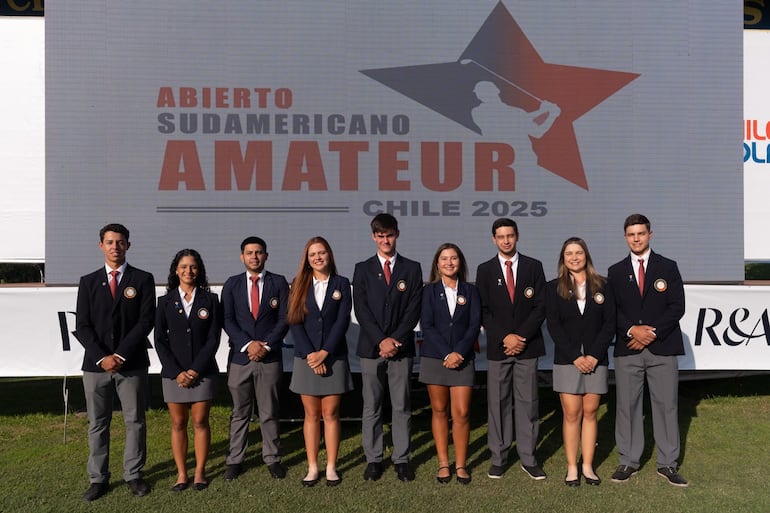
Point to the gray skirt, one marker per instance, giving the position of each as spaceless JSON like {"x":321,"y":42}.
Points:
{"x":433,"y":372}
{"x":567,"y":379}
{"x":205,"y":390}
{"x":337,"y":379}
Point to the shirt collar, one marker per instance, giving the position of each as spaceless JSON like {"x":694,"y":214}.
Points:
{"x":514,"y":259}
{"x":392,"y":260}
{"x":645,"y":256}
{"x":121,"y":269}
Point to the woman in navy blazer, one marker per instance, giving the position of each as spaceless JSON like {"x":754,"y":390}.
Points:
{"x":450,"y":323}
{"x":581,"y":320}
{"x":319,"y":316}
{"x":187,"y":331}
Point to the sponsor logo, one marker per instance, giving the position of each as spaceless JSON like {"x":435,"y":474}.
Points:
{"x":732,"y":328}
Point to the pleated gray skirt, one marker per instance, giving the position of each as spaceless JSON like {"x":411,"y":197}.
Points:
{"x":205,"y":390}
{"x":433,"y":372}
{"x":337,"y":379}
{"x":567,"y":379}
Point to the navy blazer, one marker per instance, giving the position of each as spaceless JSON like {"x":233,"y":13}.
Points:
{"x":270,"y":325}
{"x":325,"y":328}
{"x":661,"y":305}
{"x":575,"y":334}
{"x":184,"y":343}
{"x":523,"y":317}
{"x":444,"y":334}
{"x":384,"y":310}
{"x":105,"y":326}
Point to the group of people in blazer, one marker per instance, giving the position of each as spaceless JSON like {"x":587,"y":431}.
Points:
{"x":638,"y":305}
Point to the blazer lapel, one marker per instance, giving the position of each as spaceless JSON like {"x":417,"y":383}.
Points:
{"x":649,"y":273}
{"x":267,"y":292}
{"x":310,"y":301}
{"x":462,"y":291}
{"x":377,"y":271}
{"x":122,"y":285}
{"x":334,"y":284}
{"x":176,"y":301}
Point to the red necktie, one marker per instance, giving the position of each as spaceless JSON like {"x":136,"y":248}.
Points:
{"x":114,"y":283}
{"x":641,"y":276}
{"x":509,"y":279}
{"x":387,"y":271}
{"x":254,"y":296}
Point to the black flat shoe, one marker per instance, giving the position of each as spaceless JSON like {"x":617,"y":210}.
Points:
{"x":444,"y":479}
{"x":592,"y":482}
{"x":572,"y":483}
{"x":180,"y":487}
{"x":199,"y":487}
{"x":463,"y":480}
{"x":309,"y":483}
{"x":333,"y":482}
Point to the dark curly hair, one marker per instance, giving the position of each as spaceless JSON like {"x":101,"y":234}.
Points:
{"x":202,"y":280}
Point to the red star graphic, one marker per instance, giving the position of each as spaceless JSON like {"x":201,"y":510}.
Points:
{"x":502,"y":53}
{"x":502,"y":46}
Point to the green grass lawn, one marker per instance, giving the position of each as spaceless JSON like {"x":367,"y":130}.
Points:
{"x":725,"y":428}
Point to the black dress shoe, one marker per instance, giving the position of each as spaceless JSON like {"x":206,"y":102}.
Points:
{"x":277,"y":471}
{"x":623,"y":473}
{"x":334,"y":482}
{"x":95,"y":491}
{"x":139,"y":487}
{"x":232,"y":472}
{"x":404,"y":472}
{"x":672,"y":476}
{"x":496,"y":472}
{"x":534,"y":471}
{"x":591,"y":481}
{"x":572,"y":483}
{"x":199,"y":487}
{"x":373,"y":471}
{"x":180,"y":487}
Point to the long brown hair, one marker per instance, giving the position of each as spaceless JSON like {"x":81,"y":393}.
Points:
{"x":302,"y":283}
{"x":565,"y":285}
{"x":462,"y":271}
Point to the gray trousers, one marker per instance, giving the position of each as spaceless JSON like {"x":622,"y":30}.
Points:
{"x":396,"y":374}
{"x":663,"y":382}
{"x":260,"y":381}
{"x":512,"y":383}
{"x":132,"y":391}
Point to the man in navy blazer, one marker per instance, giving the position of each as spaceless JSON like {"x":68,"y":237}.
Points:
{"x":649,"y":301}
{"x":115,"y":314}
{"x":254,"y":310}
{"x":387,"y":293}
{"x":512,"y":290}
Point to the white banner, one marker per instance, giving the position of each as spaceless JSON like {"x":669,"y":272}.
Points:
{"x":725,"y":328}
